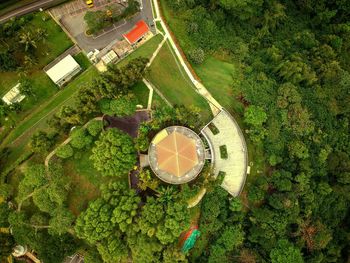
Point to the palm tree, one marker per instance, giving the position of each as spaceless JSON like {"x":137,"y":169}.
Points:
{"x":27,"y":40}
{"x":40,"y":34}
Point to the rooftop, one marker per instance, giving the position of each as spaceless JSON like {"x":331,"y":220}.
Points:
{"x":63,"y":68}
{"x":176,"y":155}
{"x":140,"y":29}
{"x":13,"y":95}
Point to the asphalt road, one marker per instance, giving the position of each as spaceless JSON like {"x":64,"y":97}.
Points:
{"x":27,"y":9}
{"x":73,"y":20}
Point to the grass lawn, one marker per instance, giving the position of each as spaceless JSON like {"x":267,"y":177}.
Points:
{"x":146,"y":50}
{"x":218,"y":77}
{"x":20,"y":135}
{"x":173,"y":82}
{"x":141,"y":92}
{"x":85,"y":182}
{"x":159,"y":27}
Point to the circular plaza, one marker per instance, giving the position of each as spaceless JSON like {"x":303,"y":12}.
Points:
{"x":176,"y":155}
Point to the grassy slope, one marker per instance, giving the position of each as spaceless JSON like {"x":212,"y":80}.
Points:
{"x":218,"y":76}
{"x":165,"y":74}
{"x":20,"y":135}
{"x":146,"y":50}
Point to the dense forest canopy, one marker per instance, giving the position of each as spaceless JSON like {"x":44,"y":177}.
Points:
{"x":294,"y":63}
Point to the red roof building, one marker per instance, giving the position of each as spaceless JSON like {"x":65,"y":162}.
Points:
{"x":140,"y":29}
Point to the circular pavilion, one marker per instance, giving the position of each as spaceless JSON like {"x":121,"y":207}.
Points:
{"x":176,"y":155}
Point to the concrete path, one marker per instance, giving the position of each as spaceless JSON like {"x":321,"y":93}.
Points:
{"x":214,"y":104}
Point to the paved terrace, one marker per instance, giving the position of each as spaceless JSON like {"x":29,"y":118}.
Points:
{"x":235,"y":165}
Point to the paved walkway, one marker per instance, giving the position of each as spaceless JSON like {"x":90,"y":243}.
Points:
{"x":235,"y":165}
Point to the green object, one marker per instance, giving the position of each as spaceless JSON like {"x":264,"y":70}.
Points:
{"x":190,"y":241}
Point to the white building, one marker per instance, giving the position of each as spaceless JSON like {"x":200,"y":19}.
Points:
{"x":64,"y":70}
{"x":110,"y":57}
{"x":13,"y":96}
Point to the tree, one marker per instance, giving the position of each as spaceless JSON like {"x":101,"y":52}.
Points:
{"x":124,"y":201}
{"x":80,"y":138}
{"x":147,"y":180}
{"x":197,"y":55}
{"x":26,"y":87}
{"x":117,"y":81}
{"x":61,"y":221}
{"x":230,"y":238}
{"x":65,"y":151}
{"x":95,"y":127}
{"x":7,"y":62}
{"x":7,"y":244}
{"x":285,"y":252}
{"x":27,"y":40}
{"x":95,"y":223}
{"x":244,"y":9}
{"x":123,"y":106}
{"x":173,"y":255}
{"x":114,"y":153}
{"x":48,"y":188}
{"x":176,"y":220}
{"x":255,"y":117}
{"x":96,"y":20}
{"x":113,"y":249}
{"x":41,"y":141}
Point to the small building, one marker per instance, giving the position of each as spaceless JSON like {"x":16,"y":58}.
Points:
{"x":122,"y":48}
{"x":64,"y":70}
{"x":13,"y":96}
{"x":137,"y":33}
{"x":110,"y":57}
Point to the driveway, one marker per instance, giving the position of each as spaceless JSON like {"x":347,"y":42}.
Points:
{"x":71,"y":15}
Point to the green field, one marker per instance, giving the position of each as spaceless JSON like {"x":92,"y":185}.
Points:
{"x":173,"y":82}
{"x":20,"y":135}
{"x":146,"y":50}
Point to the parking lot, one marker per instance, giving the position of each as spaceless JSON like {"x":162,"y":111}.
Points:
{"x":79,"y":6}
{"x":71,"y":16}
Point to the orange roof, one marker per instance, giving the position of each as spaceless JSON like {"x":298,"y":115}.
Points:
{"x":137,"y":32}
{"x":176,"y":154}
